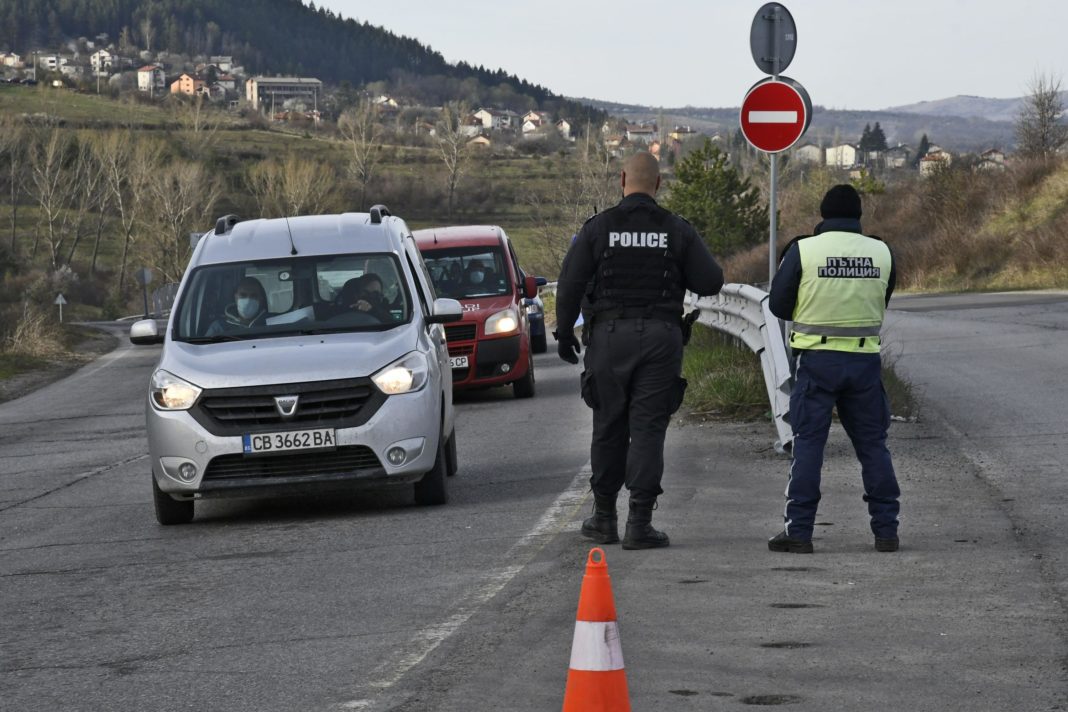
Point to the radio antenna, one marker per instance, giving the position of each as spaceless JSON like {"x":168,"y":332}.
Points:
{"x":292,"y":245}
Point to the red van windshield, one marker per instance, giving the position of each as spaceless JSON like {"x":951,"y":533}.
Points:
{"x":467,"y":272}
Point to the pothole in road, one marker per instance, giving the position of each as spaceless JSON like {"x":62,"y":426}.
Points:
{"x":683,"y":693}
{"x":797,"y":605}
{"x":786,"y":645}
{"x":694,"y":580}
{"x":769,"y":700}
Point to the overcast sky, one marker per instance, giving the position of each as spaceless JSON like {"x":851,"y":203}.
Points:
{"x":851,"y":54}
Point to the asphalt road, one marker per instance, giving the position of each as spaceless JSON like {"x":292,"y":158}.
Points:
{"x":369,"y":603}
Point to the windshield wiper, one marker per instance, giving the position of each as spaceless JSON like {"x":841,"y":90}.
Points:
{"x":218,"y":338}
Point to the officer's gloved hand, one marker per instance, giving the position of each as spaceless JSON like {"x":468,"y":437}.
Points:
{"x":568,"y":346}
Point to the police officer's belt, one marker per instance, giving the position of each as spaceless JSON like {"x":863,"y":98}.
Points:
{"x":824,"y":330}
{"x":636,"y":313}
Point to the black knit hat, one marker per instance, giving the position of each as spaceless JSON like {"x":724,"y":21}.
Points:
{"x":841,"y":201}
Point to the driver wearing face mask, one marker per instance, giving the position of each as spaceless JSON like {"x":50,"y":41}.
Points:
{"x":476,"y":273}
{"x":249,"y":308}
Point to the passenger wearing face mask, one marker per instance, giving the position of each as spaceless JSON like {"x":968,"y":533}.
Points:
{"x":476,"y":273}
{"x":248,"y":310}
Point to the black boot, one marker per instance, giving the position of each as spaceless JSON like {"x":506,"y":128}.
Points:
{"x":640,"y":533}
{"x":602,"y":527}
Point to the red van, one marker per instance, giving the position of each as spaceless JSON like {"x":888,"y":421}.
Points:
{"x":477,"y":266}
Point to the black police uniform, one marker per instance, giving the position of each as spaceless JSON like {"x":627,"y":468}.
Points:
{"x":633,"y":263}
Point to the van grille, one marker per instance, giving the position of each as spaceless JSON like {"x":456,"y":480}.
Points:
{"x":338,"y":404}
{"x":460,"y":332}
{"x":344,"y":460}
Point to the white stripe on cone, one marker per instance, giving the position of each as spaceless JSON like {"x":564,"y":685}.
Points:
{"x":596,"y":647}
{"x":773,"y":117}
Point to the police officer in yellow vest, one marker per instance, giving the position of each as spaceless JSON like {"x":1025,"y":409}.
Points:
{"x":835,"y":286}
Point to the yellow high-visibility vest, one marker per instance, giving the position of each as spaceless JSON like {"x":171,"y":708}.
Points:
{"x":842,"y":296}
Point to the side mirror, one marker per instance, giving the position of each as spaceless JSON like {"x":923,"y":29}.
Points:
{"x":145,"y":333}
{"x":541,"y":281}
{"x":445,"y":311}
{"x":530,"y":287}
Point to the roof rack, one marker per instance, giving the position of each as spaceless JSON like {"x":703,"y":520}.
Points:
{"x":225,"y":224}
{"x":378,"y":212}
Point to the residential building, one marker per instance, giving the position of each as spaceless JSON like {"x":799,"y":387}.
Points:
{"x":934,"y":162}
{"x":227,"y":81}
{"x":681,"y":133}
{"x":101,"y":61}
{"x":641,"y":134}
{"x":993,"y":155}
{"x":498,"y":119}
{"x":386,"y":102}
{"x":529,"y":127}
{"x":188,"y":85}
{"x":898,"y":156}
{"x":536,"y":117}
{"x":225,"y":63}
{"x":564,"y":127}
{"x":150,"y":79}
{"x":808,"y":153}
{"x":843,"y":155}
{"x":271,"y":93}
{"x":10,"y":59}
{"x":471,"y":126}
{"x":480,"y":141}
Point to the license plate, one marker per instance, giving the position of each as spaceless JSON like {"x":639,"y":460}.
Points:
{"x":260,"y":443}
{"x":458,"y":361}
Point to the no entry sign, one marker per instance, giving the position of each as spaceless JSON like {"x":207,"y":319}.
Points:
{"x":775,"y":114}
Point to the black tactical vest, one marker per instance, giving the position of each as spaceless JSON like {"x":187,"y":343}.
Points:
{"x":639,"y":268}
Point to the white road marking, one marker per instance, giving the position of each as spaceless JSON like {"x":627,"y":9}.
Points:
{"x":773,"y":117}
{"x":424,"y":642}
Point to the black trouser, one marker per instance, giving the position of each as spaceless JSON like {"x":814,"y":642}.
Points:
{"x":632,"y":382}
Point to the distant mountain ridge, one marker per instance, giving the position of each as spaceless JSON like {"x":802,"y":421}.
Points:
{"x":971,"y":124}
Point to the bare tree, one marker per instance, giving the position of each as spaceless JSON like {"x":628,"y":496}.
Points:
{"x":182,"y":193}
{"x":451,"y":142}
{"x":200,"y":121}
{"x":88,"y":190}
{"x":559,"y":211}
{"x":294,"y":186}
{"x":126,"y":164}
{"x":363,"y":134}
{"x":148,"y":33}
{"x":1040,"y":133}
{"x":13,"y":153}
{"x":50,"y":183}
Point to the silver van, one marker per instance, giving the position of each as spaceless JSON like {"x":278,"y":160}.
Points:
{"x":302,"y":353}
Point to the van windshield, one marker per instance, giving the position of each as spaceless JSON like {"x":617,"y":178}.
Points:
{"x":466,"y":272}
{"x":297,"y":295}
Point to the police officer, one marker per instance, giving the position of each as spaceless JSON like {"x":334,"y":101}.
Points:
{"x":835,"y":286}
{"x":633,"y":264}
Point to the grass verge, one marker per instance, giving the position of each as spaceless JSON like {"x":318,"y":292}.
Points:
{"x":726,"y":381}
{"x":14,"y":364}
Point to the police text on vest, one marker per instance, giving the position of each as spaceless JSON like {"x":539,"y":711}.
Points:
{"x":851,"y":267}
{"x":638,"y":239}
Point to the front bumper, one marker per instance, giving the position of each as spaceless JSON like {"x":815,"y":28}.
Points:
{"x":410,"y":421}
{"x":491,"y":362}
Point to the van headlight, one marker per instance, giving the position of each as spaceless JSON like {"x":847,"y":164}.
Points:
{"x":404,"y":375}
{"x":502,"y":322}
{"x":172,"y":393}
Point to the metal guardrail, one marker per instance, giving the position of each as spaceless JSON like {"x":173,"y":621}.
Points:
{"x":742,"y":311}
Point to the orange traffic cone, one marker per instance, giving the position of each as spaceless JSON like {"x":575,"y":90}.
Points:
{"x":596,"y":680}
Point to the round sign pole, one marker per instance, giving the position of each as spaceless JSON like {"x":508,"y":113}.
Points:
{"x":772,"y":42}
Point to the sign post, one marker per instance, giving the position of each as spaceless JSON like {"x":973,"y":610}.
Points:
{"x":144,"y":278}
{"x":777,"y":116}
{"x":60,"y":300}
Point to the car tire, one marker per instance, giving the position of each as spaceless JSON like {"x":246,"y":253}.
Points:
{"x":168,"y":509}
{"x":452,"y":463}
{"x":430,"y":490}
{"x":538,"y":344}
{"x":524,"y":387}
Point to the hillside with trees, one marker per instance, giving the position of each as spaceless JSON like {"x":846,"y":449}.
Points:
{"x":274,"y":37}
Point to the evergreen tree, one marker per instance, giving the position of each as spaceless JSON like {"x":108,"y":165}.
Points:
{"x":724,"y":207}
{"x":921,"y":151}
{"x":877,"y":139}
{"x":865,"y":139}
